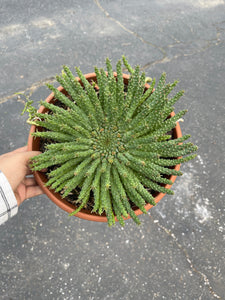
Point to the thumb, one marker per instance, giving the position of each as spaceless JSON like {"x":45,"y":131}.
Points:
{"x":16,"y":167}
{"x":26,"y":156}
{"x":29,"y":154}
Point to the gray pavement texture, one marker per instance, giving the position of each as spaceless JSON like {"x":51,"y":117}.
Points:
{"x":178,"y":251}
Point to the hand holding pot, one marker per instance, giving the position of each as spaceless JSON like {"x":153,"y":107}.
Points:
{"x":15,"y":166}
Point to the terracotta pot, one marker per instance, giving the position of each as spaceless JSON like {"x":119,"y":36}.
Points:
{"x":41,"y":178}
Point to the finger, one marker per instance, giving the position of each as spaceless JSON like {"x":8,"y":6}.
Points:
{"x":33,"y":191}
{"x":30,"y":181}
{"x":29,"y":154}
{"x":19,"y":150}
{"x":25,"y":158}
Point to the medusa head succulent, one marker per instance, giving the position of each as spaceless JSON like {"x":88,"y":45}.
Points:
{"x":110,"y":140}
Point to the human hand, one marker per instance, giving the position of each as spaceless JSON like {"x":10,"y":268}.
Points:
{"x":14,"y":166}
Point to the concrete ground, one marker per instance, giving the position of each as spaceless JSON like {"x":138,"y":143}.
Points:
{"x":178,"y":251}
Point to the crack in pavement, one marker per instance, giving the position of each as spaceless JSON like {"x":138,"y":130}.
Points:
{"x":210,"y":43}
{"x":213,"y":42}
{"x":193,"y":268}
{"x":216,"y":41}
{"x":163,"y":52}
{"x":166,"y":59}
{"x":30,"y":89}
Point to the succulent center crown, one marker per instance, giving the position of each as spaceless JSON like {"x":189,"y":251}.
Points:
{"x":108,"y":141}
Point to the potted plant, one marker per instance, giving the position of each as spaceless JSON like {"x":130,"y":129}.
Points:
{"x":112,"y":145}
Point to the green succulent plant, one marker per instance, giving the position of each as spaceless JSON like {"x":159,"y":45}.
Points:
{"x":110,"y":140}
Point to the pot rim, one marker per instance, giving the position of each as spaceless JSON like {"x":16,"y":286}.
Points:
{"x":41,"y":178}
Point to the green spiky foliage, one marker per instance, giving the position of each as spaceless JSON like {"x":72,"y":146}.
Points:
{"x":111,"y":141}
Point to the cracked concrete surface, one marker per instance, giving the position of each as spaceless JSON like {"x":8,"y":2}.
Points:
{"x":193,"y":47}
{"x":192,"y":267}
{"x":177,"y":252}
{"x":160,"y":49}
{"x":29,"y":90}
